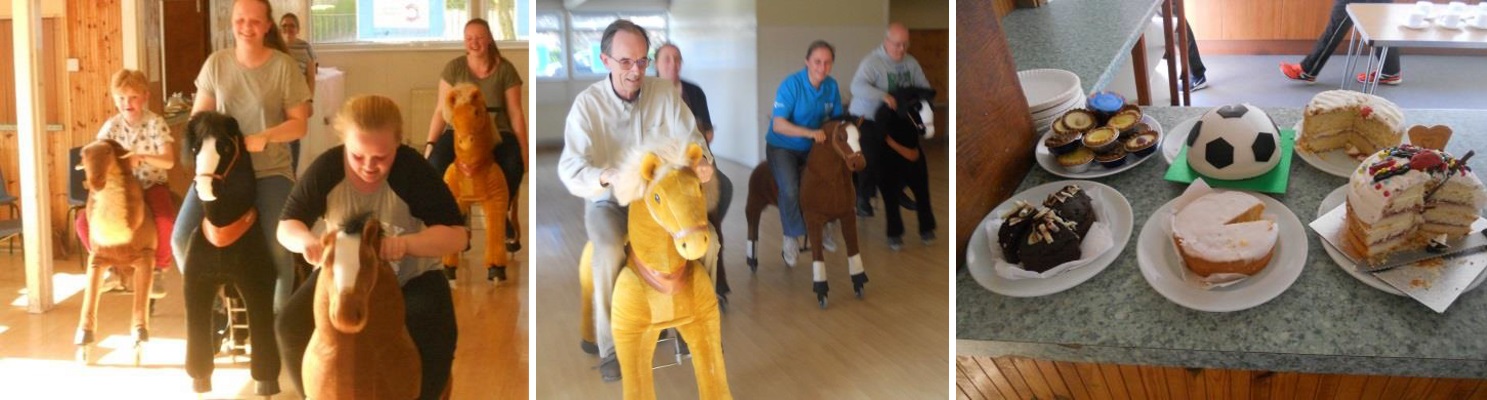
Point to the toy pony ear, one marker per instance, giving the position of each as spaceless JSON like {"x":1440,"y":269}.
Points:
{"x":327,"y":251}
{"x":648,"y":166}
{"x":694,"y":153}
{"x":371,"y":236}
{"x":447,"y":104}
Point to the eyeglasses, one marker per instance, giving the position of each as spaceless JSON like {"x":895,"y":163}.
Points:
{"x":626,"y":64}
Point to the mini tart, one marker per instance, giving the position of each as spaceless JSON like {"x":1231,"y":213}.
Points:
{"x":1115,"y":158}
{"x":1060,"y":128}
{"x":1077,"y":161}
{"x":1101,"y":139}
{"x":1107,"y":103}
{"x":1079,"y":120}
{"x":1125,"y":120}
{"x":1142,"y":144}
{"x":1062,"y":143}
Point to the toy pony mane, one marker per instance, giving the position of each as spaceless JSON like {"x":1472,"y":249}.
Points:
{"x":630,"y":185}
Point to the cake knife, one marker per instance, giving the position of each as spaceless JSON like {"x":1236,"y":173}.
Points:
{"x":1469,"y":244}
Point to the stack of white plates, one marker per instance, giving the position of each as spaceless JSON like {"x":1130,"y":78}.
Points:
{"x":1050,"y":93}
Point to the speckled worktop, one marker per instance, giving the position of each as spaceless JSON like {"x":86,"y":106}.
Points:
{"x":1089,"y":38}
{"x":1327,"y":322}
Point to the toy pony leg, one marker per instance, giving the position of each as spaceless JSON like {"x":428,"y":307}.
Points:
{"x":144,"y":277}
{"x":634,"y":337}
{"x":816,"y":228}
{"x":854,"y":258}
{"x":920,"y":186}
{"x":199,"y":291}
{"x":707,"y":354}
{"x":258,"y":295}
{"x":495,"y":225}
{"x":87,"y":319}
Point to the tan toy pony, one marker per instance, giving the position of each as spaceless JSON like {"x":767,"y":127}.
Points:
{"x":474,"y":177}
{"x":664,"y":284}
{"x":121,"y":235}
{"x":361,"y":348}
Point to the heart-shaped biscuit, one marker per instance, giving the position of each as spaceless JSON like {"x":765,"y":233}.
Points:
{"x":1432,"y":137}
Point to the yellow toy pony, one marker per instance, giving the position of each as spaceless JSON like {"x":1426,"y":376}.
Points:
{"x":474,"y":177}
{"x":664,"y":284}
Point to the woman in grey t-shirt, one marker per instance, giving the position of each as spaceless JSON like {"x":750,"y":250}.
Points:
{"x":260,"y":85}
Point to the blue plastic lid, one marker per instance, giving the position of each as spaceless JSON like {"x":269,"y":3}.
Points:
{"x":1106,"y":102}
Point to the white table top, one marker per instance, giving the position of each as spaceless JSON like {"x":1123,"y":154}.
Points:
{"x":1384,"y":25}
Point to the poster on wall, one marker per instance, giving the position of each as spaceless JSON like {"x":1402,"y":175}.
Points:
{"x":399,"y":19}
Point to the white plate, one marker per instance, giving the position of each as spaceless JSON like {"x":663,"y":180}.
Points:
{"x":1335,"y":199}
{"x":1050,"y":161}
{"x":978,"y":252}
{"x":1045,"y":88}
{"x":1335,"y":162}
{"x":1159,"y":263}
{"x":1172,"y":144}
{"x":1423,"y":25}
{"x":1059,"y":109}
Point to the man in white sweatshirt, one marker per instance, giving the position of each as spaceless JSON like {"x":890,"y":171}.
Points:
{"x":607,"y":121}
{"x":886,"y":69}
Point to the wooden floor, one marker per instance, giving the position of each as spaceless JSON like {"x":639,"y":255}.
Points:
{"x":36,"y":351}
{"x":777,"y":342}
{"x":1025,"y":378}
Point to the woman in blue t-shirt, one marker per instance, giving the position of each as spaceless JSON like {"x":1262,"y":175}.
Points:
{"x":804,"y":101}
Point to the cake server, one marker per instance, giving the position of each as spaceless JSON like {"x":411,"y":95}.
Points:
{"x":1436,"y":283}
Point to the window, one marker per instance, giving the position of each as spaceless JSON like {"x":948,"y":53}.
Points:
{"x":547,"y":45}
{"x":341,"y":21}
{"x":587,"y":35}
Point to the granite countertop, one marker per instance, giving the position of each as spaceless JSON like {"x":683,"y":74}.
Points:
{"x":1326,"y":322}
{"x":1089,"y":38}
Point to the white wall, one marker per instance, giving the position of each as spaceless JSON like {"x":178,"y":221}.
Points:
{"x":718,"y":41}
{"x":400,"y":72}
{"x":787,"y":27}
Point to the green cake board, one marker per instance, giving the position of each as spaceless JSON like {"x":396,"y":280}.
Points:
{"x":1274,"y":181}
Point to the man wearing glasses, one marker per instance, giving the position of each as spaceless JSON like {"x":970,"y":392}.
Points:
{"x":607,"y":121}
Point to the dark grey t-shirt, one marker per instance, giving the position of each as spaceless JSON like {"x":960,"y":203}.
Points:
{"x":408,"y":201}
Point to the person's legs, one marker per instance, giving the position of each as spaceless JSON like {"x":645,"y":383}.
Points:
{"x":430,"y":320}
{"x":1196,"y":70}
{"x":163,"y":209}
{"x":81,"y":227}
{"x":508,"y":156}
{"x":443,"y":152}
{"x":725,"y":198}
{"x":272,"y":193}
{"x":294,"y":156}
{"x":606,"y":223}
{"x":1338,"y":27}
{"x":187,"y":221}
{"x":294,"y":326}
{"x":786,"y":165}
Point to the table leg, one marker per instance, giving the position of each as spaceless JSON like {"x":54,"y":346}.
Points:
{"x":1363,"y":87}
{"x":1352,"y":52}
{"x":1378,"y":74}
{"x":1143,"y":82}
{"x":1182,"y":51}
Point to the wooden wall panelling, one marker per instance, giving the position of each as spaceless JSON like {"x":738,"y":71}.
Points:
{"x":932,"y":48}
{"x":994,"y":130}
{"x":94,"y":32}
{"x":51,"y":65}
{"x":1303,"y":19}
{"x":187,"y":40}
{"x":1024,"y":378}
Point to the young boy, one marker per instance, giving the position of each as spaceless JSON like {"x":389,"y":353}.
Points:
{"x":146,"y":136}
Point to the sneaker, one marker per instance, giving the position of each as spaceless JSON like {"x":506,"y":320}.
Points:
{"x":111,"y":282}
{"x":928,"y":237}
{"x":1294,"y":72}
{"x":157,"y":289}
{"x":1199,"y":83}
{"x":789,"y":250}
{"x":828,"y":240}
{"x":588,"y":347}
{"x":895,"y":243}
{"x":864,"y":208}
{"x":609,"y":368}
{"x":1366,"y":78}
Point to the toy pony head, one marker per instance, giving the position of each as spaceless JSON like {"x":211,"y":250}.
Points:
{"x":914,"y":106}
{"x":101,"y":159}
{"x":844,"y":139}
{"x":474,"y":136}
{"x":350,"y":259}
{"x":661,"y":180}
{"x":216,"y":141}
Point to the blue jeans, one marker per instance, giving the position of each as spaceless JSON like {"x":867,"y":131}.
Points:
{"x":273,"y":191}
{"x":786,"y":166}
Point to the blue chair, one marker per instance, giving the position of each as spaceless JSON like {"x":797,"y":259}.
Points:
{"x":10,"y":229}
{"x":77,"y":195}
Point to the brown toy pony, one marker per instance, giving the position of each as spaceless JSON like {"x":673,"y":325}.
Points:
{"x":121,"y":235}
{"x":474,"y":177}
{"x":826,"y":194}
{"x":361,"y":348}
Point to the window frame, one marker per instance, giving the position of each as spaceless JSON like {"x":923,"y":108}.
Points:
{"x":475,"y":8}
{"x":566,"y":18}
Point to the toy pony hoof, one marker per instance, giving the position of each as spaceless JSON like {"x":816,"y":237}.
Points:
{"x":141,"y":335}
{"x":858,"y":281}
{"x":588,"y":347}
{"x":753,"y":264}
{"x":820,"y":288}
{"x":266,"y":388}
{"x":201,"y":385}
{"x":821,"y":298}
{"x":139,"y":352}
{"x":495,"y":274}
{"x":513,"y":245}
{"x":84,"y":342}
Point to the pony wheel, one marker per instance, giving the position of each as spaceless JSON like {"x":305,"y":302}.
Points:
{"x":139,"y":352}
{"x":858,"y":290}
{"x":753,"y":264}
{"x":821,"y":298}
{"x":85,"y":354}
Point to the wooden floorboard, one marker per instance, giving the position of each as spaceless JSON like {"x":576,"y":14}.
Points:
{"x":36,"y":351}
{"x":778,"y":344}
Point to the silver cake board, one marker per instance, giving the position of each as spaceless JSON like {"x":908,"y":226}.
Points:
{"x":1435,"y":283}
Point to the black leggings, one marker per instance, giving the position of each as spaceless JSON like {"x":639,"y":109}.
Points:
{"x":430,"y":321}
{"x":508,"y":157}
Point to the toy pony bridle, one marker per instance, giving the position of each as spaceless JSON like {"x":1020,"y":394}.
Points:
{"x":230,"y":163}
{"x":840,"y":144}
